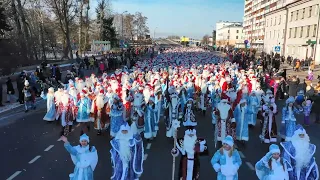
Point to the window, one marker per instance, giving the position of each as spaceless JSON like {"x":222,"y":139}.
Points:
{"x":237,"y":31}
{"x":280,"y":19}
{"x":236,"y":37}
{"x":228,"y":37}
{"x":314,"y":30}
{"x":275,"y":21}
{"x":303,"y":11}
{"x":228,"y":31}
{"x":295,"y":32}
{"x":267,"y":22}
{"x":271,"y":22}
{"x":270,"y":35}
{"x":310,"y":11}
{"x":297,"y":15}
{"x":308,"y":31}
{"x":301,"y":32}
{"x":291,"y":18}
{"x":290,"y":32}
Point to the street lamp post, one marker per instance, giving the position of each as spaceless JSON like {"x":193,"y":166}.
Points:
{"x":154,"y":33}
{"x":122,"y":34}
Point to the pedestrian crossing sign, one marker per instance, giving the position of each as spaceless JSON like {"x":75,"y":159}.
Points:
{"x":277,"y":48}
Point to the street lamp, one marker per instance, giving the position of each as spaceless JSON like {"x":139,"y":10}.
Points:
{"x":154,"y":33}
{"x":122,"y":22}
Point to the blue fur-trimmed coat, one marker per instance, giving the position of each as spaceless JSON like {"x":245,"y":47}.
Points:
{"x":310,"y":172}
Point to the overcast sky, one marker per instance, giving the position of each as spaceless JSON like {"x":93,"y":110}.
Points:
{"x":193,"y":18}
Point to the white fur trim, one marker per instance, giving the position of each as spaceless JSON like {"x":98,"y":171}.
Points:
{"x":275,"y":151}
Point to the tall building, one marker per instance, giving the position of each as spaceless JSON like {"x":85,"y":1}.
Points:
{"x":295,"y":28}
{"x":223,"y":30}
{"x":231,"y":35}
{"x":254,"y":19}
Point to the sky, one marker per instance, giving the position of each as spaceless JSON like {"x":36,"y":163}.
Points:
{"x":192,"y":18}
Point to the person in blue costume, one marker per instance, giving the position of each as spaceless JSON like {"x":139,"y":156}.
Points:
{"x":51,"y":108}
{"x":84,"y":157}
{"x":272,"y":166}
{"x":253,"y":105}
{"x":241,"y":114}
{"x":151,"y":120}
{"x":116,"y":116}
{"x":288,"y":119}
{"x":83,"y":112}
{"x":226,"y":161}
{"x":127,"y":154}
{"x":299,"y":152}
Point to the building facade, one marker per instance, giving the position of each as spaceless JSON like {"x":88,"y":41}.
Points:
{"x":275,"y":30}
{"x":299,"y":23}
{"x":230,"y":35}
{"x":220,"y":25}
{"x":254,"y":19}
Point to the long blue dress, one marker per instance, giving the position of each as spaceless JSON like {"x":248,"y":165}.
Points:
{"x":288,"y":122}
{"x":85,"y":161}
{"x":84,"y":108}
{"x":51,"y":108}
{"x":151,"y":123}
{"x":242,"y":129}
{"x":116,"y":118}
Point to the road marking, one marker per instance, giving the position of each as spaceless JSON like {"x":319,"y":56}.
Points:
{"x":250,"y":166}
{"x":241,"y":155}
{"x":148,"y":145}
{"x":145,"y":157}
{"x":49,"y":147}
{"x":14,"y":175}
{"x":34,"y":159}
{"x":59,"y":139}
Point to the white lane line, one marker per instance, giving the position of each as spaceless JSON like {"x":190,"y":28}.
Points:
{"x":34,"y":159}
{"x":250,"y":166}
{"x":148,"y":146}
{"x":59,"y":139}
{"x":241,"y":155}
{"x":49,"y":147}
{"x":145,"y":157}
{"x":14,"y":175}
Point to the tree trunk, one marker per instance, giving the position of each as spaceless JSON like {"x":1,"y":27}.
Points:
{"x":25,"y":28}
{"x":22,"y":42}
{"x":80,"y":28}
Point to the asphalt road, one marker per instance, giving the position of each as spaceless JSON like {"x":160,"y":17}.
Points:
{"x":30,"y":150}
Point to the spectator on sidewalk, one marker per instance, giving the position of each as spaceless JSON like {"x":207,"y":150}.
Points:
{"x":20,"y":86}
{"x":1,"y":91}
{"x":10,"y":90}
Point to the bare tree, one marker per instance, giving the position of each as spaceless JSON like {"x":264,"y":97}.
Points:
{"x":128,"y":23}
{"x":65,"y":12}
{"x":205,"y":39}
{"x":140,"y":23}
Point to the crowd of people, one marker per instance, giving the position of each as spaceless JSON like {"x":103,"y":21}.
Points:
{"x":236,"y":93}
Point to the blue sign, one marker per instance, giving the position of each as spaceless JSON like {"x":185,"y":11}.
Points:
{"x":277,"y":49}
{"x":122,"y":44}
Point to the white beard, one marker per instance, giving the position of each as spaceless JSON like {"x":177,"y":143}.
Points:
{"x":73,"y":93}
{"x":88,"y":83}
{"x":303,"y":154}
{"x":147,"y":95}
{"x":100,"y":101}
{"x":114,"y":85}
{"x":57,"y":96}
{"x":65,"y":99}
{"x":80,"y":86}
{"x":189,"y":143}
{"x":125,"y":153}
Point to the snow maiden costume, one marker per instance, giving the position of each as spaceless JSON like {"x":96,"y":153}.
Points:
{"x":226,"y":163}
{"x":85,"y":160}
{"x":269,"y":168}
{"x":299,"y":152}
{"x":288,"y":119}
{"x":51,"y":108}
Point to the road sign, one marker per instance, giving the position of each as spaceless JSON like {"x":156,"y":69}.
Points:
{"x":309,"y":42}
{"x":122,"y":44}
{"x":277,"y":48}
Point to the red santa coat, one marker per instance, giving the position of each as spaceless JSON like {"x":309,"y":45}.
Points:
{"x":118,"y":77}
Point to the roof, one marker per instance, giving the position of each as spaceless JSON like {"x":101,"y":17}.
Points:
{"x":233,"y":26}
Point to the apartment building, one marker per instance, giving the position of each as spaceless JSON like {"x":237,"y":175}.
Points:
{"x":275,"y":30}
{"x":298,"y":31}
{"x":221,"y":24}
{"x":254,"y":19}
{"x":230,"y":35}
